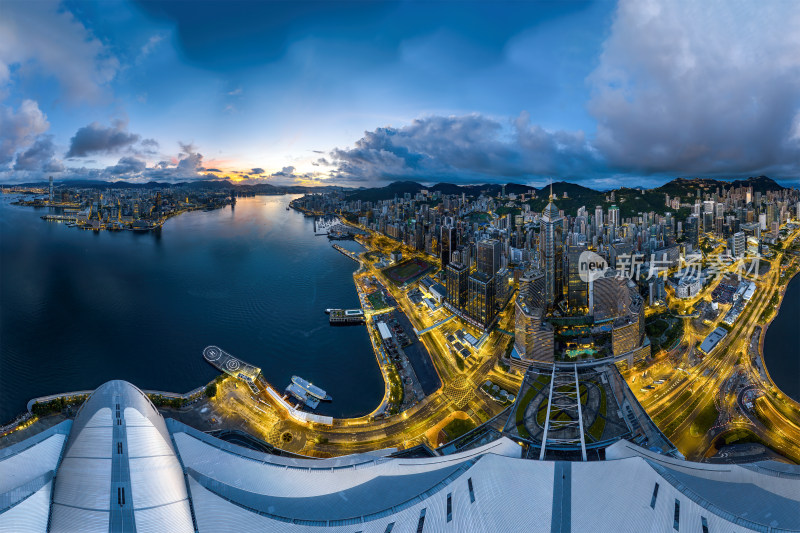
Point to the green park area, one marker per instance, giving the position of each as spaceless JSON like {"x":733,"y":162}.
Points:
{"x":377,"y":301}
{"x":704,"y":420}
{"x":458,"y":427}
{"x":56,"y":405}
{"x":599,"y":424}
{"x":396,"y":392}
{"x":373,"y":256}
{"x":479,"y":216}
{"x":538,"y":384}
{"x":663,"y":331}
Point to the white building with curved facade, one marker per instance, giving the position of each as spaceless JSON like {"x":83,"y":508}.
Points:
{"x":119,"y":466}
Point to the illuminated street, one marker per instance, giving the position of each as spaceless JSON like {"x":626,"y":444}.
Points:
{"x":680,"y":405}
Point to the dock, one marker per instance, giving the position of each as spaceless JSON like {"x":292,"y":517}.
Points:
{"x":297,"y":414}
{"x":348,"y":253}
{"x":344,"y":317}
{"x":60,"y":218}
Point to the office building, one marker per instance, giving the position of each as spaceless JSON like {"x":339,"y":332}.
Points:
{"x":488,"y":260}
{"x":447,"y":243}
{"x":480,"y":298}
{"x":577,"y":289}
{"x":456,"y":284}
{"x":551,"y":253}
{"x":737,"y":244}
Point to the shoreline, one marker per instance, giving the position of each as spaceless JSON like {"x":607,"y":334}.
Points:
{"x":25,"y":417}
{"x":265,"y":417}
{"x":762,"y":339}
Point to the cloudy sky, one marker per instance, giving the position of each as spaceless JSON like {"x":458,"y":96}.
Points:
{"x":363,"y":93}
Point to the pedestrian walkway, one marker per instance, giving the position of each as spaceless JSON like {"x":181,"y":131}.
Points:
{"x":482,"y":339}
{"x":426,"y":330}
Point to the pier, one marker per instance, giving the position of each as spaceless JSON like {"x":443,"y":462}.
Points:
{"x":225,"y":362}
{"x":348,"y":253}
{"x":61,"y":218}
{"x":341,"y":317}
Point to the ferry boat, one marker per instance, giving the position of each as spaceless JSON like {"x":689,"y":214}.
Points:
{"x":302,"y":396}
{"x":312,"y":390}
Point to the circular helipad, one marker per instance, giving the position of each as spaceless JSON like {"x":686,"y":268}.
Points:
{"x":212,"y":353}
{"x":232,"y":365}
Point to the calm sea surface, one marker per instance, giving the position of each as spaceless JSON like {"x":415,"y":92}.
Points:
{"x":782,"y":343}
{"x":78,"y":308}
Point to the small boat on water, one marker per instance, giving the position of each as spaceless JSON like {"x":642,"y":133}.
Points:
{"x":312,"y":390}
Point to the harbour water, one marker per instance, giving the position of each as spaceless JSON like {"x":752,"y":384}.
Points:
{"x":78,"y":308}
{"x":782,"y":343}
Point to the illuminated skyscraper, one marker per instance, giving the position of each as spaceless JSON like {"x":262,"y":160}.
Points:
{"x":551,"y":253}
{"x":447,"y":244}
{"x":456,"y":281}
{"x":489,"y":256}
{"x":577,"y":289}
{"x":480,"y":298}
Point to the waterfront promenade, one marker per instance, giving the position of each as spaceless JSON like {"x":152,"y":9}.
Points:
{"x":445,"y":391}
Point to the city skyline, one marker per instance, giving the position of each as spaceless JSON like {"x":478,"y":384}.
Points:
{"x":362,"y":95}
{"x":396,"y":265}
{"x":570,"y":327}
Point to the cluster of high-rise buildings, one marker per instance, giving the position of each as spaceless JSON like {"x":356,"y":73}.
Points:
{"x":490,"y":244}
{"x":125,"y":208}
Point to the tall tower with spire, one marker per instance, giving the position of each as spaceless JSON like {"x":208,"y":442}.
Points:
{"x":551,"y":252}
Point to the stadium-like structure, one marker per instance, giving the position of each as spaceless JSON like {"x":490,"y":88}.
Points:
{"x":119,"y":466}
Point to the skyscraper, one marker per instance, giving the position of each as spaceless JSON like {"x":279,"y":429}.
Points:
{"x":736,"y":244}
{"x":456,"y":281}
{"x":693,"y":231}
{"x":613,"y":216}
{"x":577,"y":289}
{"x":51,"y":190}
{"x":551,"y":253}
{"x":480,"y":298}
{"x":446,"y":244}
{"x":533,"y":336}
{"x":489,"y":256}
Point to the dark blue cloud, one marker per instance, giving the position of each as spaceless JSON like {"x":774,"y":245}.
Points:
{"x":465,"y":149}
{"x":127,"y":165}
{"x":39,"y":157}
{"x":227,"y":35}
{"x":95,"y":138}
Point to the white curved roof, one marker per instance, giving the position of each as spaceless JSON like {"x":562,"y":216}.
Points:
{"x":119,"y":470}
{"x":26,"y":480}
{"x":176,"y":478}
